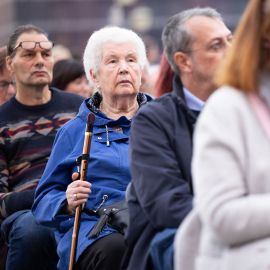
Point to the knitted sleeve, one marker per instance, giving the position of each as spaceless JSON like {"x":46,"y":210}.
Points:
{"x":11,"y":202}
{"x":4,"y":174}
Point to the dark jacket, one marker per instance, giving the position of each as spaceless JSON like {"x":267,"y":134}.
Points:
{"x":160,"y":158}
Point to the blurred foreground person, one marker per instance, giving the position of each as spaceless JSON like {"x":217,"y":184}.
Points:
{"x":195,"y":41}
{"x":28,"y":124}
{"x":69,"y":75}
{"x":7,"y":86}
{"x":229,"y":227}
{"x":113,"y":58}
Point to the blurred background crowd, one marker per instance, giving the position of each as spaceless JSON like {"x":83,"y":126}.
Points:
{"x":229,"y":173}
{"x":70,"y":22}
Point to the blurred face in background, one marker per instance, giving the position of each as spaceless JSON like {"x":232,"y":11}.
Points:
{"x":144,"y":88}
{"x":7,"y":88}
{"x":79,"y":86}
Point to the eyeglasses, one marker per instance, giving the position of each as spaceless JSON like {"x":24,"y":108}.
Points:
{"x":216,"y":46}
{"x":4,"y":85}
{"x":29,"y":45}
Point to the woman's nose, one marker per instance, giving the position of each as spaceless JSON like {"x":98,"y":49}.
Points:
{"x":123,"y":67}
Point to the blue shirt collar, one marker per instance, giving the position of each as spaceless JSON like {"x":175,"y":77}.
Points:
{"x":192,"y":101}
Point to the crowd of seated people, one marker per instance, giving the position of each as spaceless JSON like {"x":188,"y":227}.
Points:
{"x":176,"y":177}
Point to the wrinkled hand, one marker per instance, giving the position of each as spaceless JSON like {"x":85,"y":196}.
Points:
{"x":81,"y":189}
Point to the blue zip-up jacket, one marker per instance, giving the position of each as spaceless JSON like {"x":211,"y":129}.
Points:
{"x":108,"y":172}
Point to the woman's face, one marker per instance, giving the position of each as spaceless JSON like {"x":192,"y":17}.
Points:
{"x":119,"y":71}
{"x":79,"y":86}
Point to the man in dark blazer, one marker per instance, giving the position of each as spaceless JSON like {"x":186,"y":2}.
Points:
{"x":195,"y":41}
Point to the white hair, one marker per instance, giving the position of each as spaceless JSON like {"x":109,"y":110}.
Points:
{"x":93,"y":52}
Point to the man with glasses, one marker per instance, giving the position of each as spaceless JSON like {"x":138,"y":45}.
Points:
{"x":161,"y":195}
{"x":28,"y":124}
{"x":7,"y":86}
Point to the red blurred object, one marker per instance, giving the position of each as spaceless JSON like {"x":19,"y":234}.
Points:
{"x":165,"y":77}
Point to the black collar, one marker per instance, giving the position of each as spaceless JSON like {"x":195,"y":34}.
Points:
{"x":179,"y":97}
{"x":178,"y":88}
{"x":94,"y":101}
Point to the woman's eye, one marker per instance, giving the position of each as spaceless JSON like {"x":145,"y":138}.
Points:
{"x":27,"y":55}
{"x":112,"y":61}
{"x":131,"y":60}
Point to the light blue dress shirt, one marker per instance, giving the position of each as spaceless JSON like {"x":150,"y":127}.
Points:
{"x":192,"y":101}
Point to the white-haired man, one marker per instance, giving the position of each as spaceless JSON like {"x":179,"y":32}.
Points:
{"x":195,"y":41}
{"x":28,"y":124}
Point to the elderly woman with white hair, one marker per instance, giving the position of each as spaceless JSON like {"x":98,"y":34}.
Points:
{"x":114,"y":58}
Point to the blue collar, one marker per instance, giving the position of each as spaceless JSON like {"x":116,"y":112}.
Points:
{"x":193,"y":102}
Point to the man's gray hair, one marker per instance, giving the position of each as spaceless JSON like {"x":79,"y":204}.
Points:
{"x":175,"y":35}
{"x":93,"y":51}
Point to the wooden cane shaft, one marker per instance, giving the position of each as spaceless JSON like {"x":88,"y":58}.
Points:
{"x":83,"y":175}
{"x":84,"y":167}
{"x":86,"y":149}
{"x":74,"y":237}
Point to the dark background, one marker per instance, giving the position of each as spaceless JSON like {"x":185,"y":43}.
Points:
{"x":71,"y":22}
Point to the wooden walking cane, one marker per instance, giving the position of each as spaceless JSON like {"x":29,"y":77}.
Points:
{"x":83,"y":174}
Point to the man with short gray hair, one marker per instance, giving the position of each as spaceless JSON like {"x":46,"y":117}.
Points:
{"x":161,"y":195}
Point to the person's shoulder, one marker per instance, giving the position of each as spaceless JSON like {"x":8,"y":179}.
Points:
{"x":72,"y":126}
{"x":7,"y":109}
{"x":157,"y":110}
{"x":6,"y":105}
{"x":226,"y":96}
{"x":66,"y":96}
{"x":225,"y":104}
{"x":159,"y":104}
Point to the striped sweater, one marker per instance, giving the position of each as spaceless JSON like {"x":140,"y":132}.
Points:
{"x":26,"y":138}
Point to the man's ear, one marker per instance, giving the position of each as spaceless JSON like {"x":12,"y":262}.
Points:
{"x":183,"y":61}
{"x":94,"y":78}
{"x":9,"y":64}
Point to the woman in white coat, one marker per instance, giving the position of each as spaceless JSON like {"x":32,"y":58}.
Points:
{"x":229,"y":227}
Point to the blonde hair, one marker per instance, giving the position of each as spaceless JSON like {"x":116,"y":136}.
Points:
{"x":247,"y":56}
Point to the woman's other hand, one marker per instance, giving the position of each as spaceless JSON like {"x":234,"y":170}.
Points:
{"x":77,"y":193}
